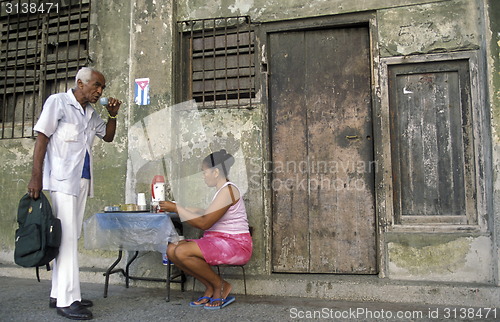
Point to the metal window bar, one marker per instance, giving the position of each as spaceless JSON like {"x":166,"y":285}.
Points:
{"x":203,"y":55}
{"x":250,"y":57}
{"x":177,"y":69}
{"x":26,"y":45}
{"x":78,"y":42}
{"x":238,"y":60}
{"x":56,"y":49}
{"x":4,"y":97}
{"x":42,"y":84}
{"x":189,"y":66}
{"x":67,"y":51}
{"x":191,"y":69}
{"x":41,"y":38}
{"x":215,"y":61}
{"x":226,"y":82}
{"x":15,"y":62}
{"x":35,"y":69}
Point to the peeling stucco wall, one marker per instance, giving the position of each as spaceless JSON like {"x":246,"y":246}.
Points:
{"x":151,"y":56}
{"x":429,"y":28}
{"x":239,"y":132}
{"x":270,"y":10}
{"x":440,"y":258}
{"x":15,"y":172}
{"x":419,"y":30}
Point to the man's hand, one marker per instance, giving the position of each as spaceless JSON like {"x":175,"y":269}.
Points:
{"x":34,"y":187}
{"x":113,"y":106}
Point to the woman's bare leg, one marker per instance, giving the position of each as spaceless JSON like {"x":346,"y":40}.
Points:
{"x":171,"y":253}
{"x":190,"y":257}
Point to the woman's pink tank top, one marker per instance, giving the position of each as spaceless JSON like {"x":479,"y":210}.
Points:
{"x":235,"y":220}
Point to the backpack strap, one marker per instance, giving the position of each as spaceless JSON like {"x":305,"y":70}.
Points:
{"x":38,"y":271}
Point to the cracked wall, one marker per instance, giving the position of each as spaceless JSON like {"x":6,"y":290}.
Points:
{"x":429,"y":28}
{"x":440,"y":258}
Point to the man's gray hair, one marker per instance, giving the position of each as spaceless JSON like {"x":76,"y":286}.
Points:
{"x":84,"y":74}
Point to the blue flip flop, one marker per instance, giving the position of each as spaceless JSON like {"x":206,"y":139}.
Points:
{"x":225,"y":302}
{"x":193,"y":304}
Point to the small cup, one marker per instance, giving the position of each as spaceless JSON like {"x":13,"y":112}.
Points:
{"x":104,"y":101}
{"x":141,"y":199}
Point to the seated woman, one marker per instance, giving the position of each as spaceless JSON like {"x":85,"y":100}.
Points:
{"x":226,"y":238}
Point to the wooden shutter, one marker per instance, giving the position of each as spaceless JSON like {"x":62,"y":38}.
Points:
{"x":432,"y":143}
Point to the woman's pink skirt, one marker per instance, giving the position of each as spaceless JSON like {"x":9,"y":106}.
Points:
{"x":220,"y":248}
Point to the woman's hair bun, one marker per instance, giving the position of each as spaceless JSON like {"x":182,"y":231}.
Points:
{"x":226,"y":158}
{"x":220,"y":159}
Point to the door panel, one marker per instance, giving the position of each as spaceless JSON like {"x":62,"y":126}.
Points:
{"x":290,"y":203}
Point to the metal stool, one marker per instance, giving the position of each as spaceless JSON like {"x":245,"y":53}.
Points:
{"x":224,"y":265}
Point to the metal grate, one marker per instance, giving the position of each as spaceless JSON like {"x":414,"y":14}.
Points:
{"x":217,"y":55}
{"x":40,"y":52}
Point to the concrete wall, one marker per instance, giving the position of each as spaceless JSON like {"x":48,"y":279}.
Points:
{"x":136,"y":39}
{"x":429,"y":28}
{"x":269,"y":10}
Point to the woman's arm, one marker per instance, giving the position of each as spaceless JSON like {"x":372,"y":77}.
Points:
{"x":202,"y":221}
{"x":195,"y":210}
{"x":207,"y":218}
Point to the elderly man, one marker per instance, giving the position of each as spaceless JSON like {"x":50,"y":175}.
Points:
{"x":62,"y":164}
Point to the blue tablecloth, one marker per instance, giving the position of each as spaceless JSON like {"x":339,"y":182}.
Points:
{"x":129,"y":231}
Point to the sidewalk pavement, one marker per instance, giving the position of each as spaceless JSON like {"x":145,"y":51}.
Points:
{"x":27,"y":300}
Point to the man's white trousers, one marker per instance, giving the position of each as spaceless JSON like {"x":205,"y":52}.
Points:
{"x":65,"y":274}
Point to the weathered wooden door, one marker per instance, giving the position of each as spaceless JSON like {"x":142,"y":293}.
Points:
{"x":322,"y":152}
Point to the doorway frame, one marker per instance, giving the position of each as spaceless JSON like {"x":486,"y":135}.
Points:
{"x":476,"y":219}
{"x":367,"y":19}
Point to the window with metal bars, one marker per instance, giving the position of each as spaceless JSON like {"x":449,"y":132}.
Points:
{"x":40,"y":53}
{"x":217,"y":67}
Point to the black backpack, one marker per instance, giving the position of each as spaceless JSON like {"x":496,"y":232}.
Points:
{"x":39,"y":234}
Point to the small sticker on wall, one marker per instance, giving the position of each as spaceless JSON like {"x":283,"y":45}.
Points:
{"x":142,"y":91}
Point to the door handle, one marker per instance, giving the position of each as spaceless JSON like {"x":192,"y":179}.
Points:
{"x":351,"y":137}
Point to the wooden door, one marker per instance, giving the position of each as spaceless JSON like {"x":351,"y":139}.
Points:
{"x":322,"y":152}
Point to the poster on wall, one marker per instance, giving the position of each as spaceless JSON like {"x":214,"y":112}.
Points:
{"x":142,"y":91}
